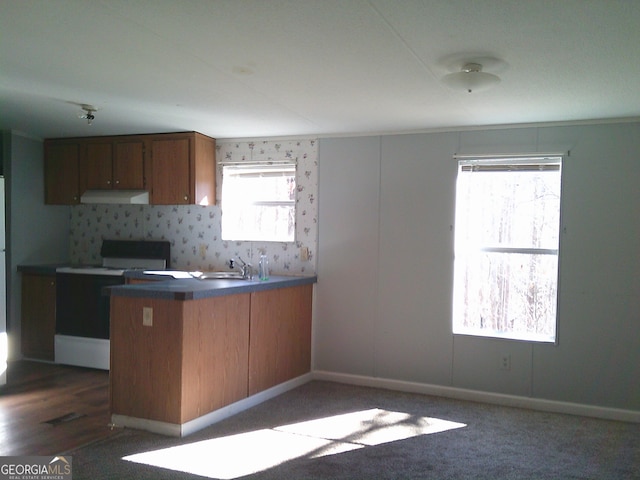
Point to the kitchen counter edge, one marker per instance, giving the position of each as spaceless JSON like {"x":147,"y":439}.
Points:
{"x":194,"y":289}
{"x":40,"y":269}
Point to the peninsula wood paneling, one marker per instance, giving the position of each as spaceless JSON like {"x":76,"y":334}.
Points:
{"x":191,"y":361}
{"x":215,"y":354}
{"x":201,"y":355}
{"x":280,"y":340}
{"x":146,"y":362}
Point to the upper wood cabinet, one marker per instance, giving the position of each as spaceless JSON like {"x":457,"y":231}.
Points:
{"x":176,"y":168}
{"x":170,"y":171}
{"x":113,"y":163}
{"x":61,"y":172}
{"x":97,"y":165}
{"x":182,"y":169}
{"x":128,"y":164}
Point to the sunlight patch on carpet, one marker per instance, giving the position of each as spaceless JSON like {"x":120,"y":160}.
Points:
{"x":222,"y":458}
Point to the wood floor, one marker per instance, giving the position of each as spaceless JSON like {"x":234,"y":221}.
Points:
{"x":37,"y":393}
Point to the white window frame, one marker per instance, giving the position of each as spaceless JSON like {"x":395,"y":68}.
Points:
{"x":248,"y":198}
{"x":505,"y":164}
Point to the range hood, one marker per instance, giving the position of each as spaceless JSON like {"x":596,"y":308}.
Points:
{"x":116,"y":196}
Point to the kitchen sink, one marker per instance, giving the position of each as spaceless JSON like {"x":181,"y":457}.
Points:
{"x":217,"y":275}
{"x":220,"y":275}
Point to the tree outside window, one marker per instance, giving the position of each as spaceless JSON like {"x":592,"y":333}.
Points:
{"x":258,"y":201}
{"x":506,"y":247}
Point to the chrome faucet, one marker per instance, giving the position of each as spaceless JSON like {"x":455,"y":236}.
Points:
{"x":245,"y":268}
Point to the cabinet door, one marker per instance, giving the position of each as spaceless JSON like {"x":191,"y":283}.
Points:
{"x":61,"y":173}
{"x":98,"y":166}
{"x":128,"y":165}
{"x":38,"y":316}
{"x":170,"y":171}
{"x":205,"y":170}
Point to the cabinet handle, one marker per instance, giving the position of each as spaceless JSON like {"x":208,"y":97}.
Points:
{"x":186,"y":198}
{"x":108,"y":182}
{"x":117,"y":182}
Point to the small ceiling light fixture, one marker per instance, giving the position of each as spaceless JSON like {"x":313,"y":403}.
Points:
{"x":88,"y":113}
{"x":471,"y":79}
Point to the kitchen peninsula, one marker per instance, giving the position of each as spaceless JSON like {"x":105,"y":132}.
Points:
{"x":186,"y":353}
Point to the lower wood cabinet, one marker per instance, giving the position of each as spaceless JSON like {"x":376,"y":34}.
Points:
{"x":38,"y":321}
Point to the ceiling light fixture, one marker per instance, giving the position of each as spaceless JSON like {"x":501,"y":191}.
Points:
{"x":470,"y":79}
{"x":88,"y":113}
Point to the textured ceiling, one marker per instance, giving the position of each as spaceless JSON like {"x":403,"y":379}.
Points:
{"x":241,"y":68}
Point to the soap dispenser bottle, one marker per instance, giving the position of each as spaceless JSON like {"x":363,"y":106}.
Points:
{"x":263,"y":268}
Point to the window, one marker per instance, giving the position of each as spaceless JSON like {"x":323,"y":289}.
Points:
{"x":258,"y":201}
{"x":506,"y":247}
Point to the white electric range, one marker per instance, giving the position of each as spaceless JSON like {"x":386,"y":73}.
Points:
{"x":82,"y":309}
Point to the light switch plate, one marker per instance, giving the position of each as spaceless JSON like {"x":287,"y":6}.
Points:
{"x":147,"y":316}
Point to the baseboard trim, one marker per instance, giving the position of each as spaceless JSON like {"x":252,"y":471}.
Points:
{"x":540,"y":404}
{"x":554,"y":406}
{"x":153,"y":426}
{"x":192,"y":426}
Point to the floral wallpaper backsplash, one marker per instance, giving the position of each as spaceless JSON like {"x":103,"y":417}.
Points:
{"x":194,"y":230}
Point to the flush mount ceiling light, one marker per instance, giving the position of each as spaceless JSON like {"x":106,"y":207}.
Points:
{"x":471,"y":79}
{"x":88,"y":113}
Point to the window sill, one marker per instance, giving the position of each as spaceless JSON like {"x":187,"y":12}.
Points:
{"x":521,"y":337}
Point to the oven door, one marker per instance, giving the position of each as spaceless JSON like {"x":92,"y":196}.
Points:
{"x":81,"y":309}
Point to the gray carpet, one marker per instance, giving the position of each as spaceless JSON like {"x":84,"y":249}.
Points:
{"x":494,"y":443}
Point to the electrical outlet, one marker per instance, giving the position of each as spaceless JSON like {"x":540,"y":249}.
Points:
{"x":304,"y":254}
{"x":147,"y":316}
{"x":505,"y":362}
{"x":203,"y":250}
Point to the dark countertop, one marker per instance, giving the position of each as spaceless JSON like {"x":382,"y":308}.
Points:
{"x":41,"y":269}
{"x":166,"y":287}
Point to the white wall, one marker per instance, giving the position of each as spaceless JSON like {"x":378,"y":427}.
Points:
{"x":36,"y":233}
{"x":385,"y":265}
{"x":349,"y":191}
